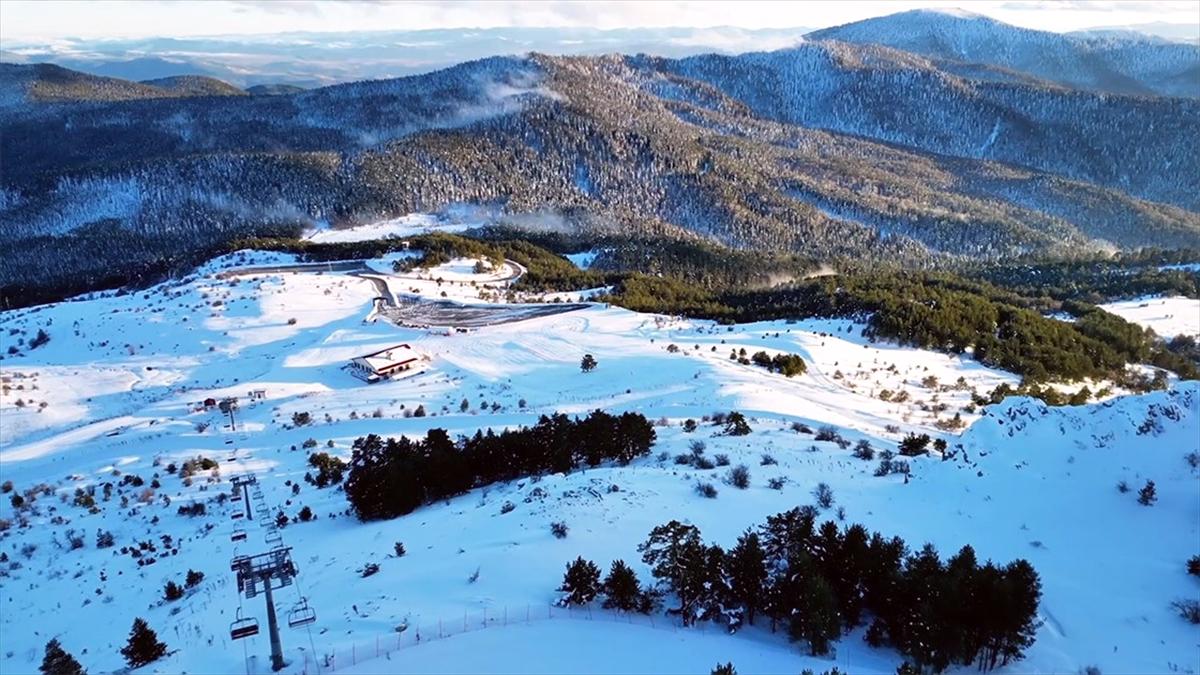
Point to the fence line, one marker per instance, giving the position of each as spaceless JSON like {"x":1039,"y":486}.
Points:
{"x":384,"y":644}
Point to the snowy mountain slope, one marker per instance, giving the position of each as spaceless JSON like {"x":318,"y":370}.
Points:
{"x":1026,"y":482}
{"x":1122,"y":65}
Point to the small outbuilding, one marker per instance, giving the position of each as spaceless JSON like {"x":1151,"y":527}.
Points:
{"x":384,"y":363}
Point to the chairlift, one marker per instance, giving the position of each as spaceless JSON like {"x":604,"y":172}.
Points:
{"x":243,"y":628}
{"x":301,"y":614}
{"x":238,"y":535}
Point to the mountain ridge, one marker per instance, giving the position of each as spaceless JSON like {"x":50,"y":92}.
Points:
{"x":1114,"y":64}
{"x":645,"y":144}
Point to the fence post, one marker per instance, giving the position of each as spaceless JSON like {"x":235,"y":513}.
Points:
{"x":353,"y":654}
{"x":376,"y":645}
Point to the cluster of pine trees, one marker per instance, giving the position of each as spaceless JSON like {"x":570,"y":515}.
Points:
{"x":820,"y":582}
{"x":938,"y":311}
{"x":393,"y":477}
{"x":143,"y":647}
{"x":1098,"y":279}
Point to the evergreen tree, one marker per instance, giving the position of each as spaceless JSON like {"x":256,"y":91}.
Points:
{"x":58,"y":662}
{"x":726,"y":669}
{"x":143,"y":646}
{"x":1148,"y":494}
{"x":588,"y":363}
{"x":173,"y":591}
{"x":677,"y":559}
{"x":1022,"y":593}
{"x":735,"y":424}
{"x":581,"y":582}
{"x":748,"y":574}
{"x":621,"y":588}
{"x":712,"y":583}
{"x":814,"y":615}
{"x":961,"y":609}
{"x":919,"y":624}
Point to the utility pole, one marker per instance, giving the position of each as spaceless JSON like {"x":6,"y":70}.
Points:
{"x":264,"y":573}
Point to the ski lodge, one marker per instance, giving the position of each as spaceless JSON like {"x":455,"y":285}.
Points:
{"x":385,"y":363}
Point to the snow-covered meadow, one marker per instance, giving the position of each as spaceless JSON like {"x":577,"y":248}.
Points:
{"x":1167,"y":317}
{"x":123,"y":378}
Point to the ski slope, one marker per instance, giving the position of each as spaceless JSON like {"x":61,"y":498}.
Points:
{"x":124,"y":378}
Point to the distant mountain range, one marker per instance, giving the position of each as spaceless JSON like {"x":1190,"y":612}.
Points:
{"x":1115,"y":59}
{"x":829,"y":149}
{"x":317,"y":59}
{"x":1119,"y":63}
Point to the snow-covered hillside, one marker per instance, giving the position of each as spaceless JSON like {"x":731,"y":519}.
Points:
{"x":124,"y":379}
{"x":1166,"y":316}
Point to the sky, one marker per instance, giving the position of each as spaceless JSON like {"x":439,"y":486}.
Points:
{"x":51,"y":20}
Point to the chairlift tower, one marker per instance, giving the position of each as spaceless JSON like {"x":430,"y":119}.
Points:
{"x":229,"y":405}
{"x":243,"y":483}
{"x":264,"y":573}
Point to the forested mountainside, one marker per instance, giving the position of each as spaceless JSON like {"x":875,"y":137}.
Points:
{"x":195,"y":85}
{"x":1128,"y":143}
{"x":1127,"y":64}
{"x":832,"y":151}
{"x":43,"y":83}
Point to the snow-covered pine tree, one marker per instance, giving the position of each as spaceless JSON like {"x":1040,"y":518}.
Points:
{"x":581,"y":582}
{"x":143,"y":646}
{"x":747,"y":574}
{"x":1148,"y":494}
{"x":58,"y":662}
{"x":621,"y":588}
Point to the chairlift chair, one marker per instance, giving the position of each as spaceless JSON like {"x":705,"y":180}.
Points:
{"x":238,"y":514}
{"x":238,"y":535}
{"x":237,"y":496}
{"x":301,"y":614}
{"x":243,"y":628}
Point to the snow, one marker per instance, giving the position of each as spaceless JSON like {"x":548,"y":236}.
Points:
{"x":1168,"y":316}
{"x":405,"y":226}
{"x":455,"y":280}
{"x":522,"y":648}
{"x":584,"y":259}
{"x":1029,"y":482}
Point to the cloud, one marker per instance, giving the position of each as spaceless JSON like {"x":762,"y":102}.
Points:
{"x":1141,"y":6}
{"x":281,"y":7}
